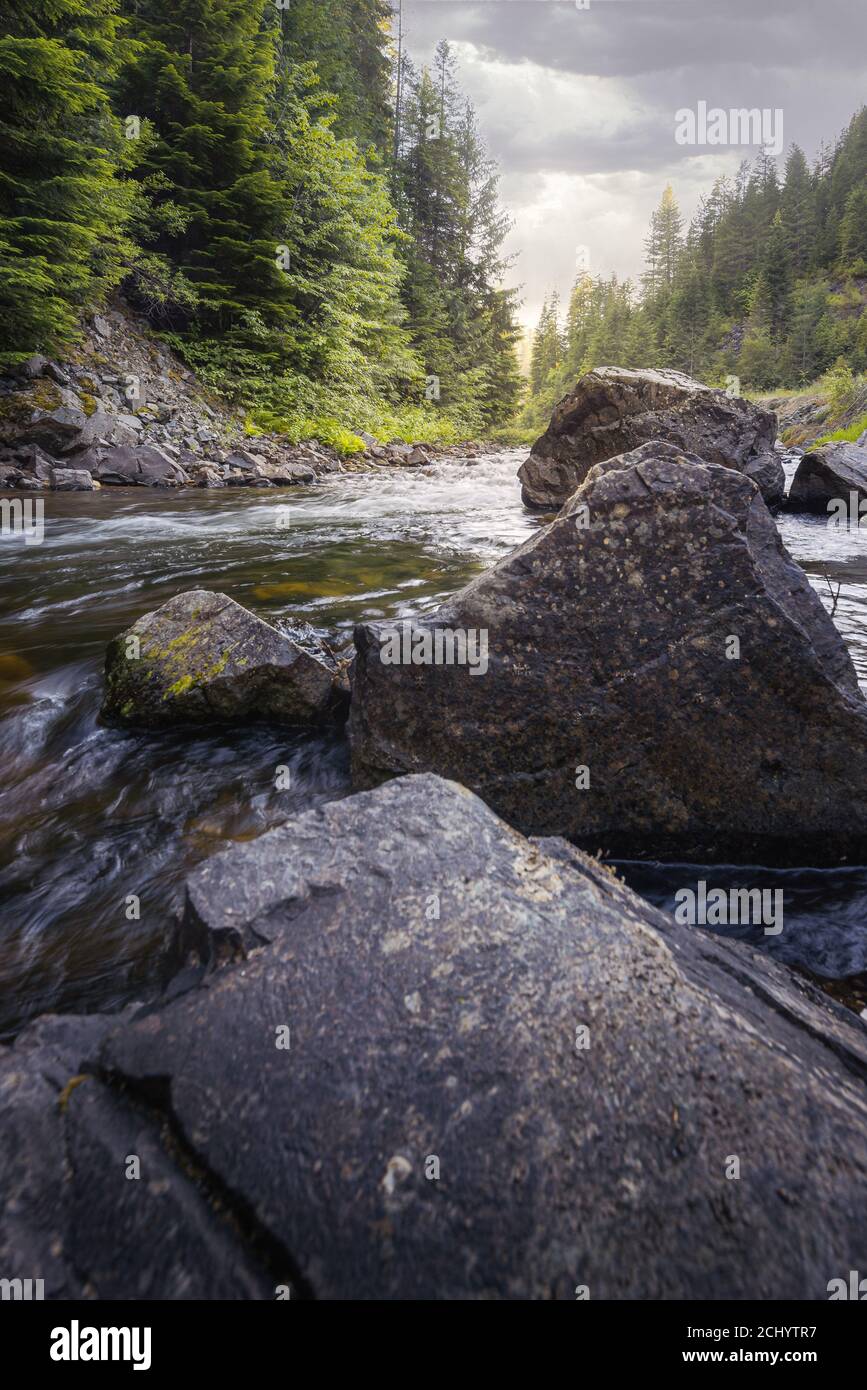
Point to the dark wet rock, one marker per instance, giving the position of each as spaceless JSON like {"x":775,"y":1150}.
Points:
{"x":827,"y":476}
{"x":287,"y":473}
{"x":239,"y":479}
{"x":417,"y":457}
{"x":655,"y":641}
{"x":767,"y":472}
{"x":57,"y":374}
{"x":613,"y":410}
{"x":72,"y":480}
{"x":140,"y":465}
{"x":70,"y":1214}
{"x":108,"y":431}
{"x":243,"y":458}
{"x":57,"y":420}
{"x":201,"y":658}
{"x":36,"y":462}
{"x":433,"y":970}
{"x":454,"y":1064}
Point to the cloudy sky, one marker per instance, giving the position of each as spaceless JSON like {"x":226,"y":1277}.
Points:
{"x":578,"y":106}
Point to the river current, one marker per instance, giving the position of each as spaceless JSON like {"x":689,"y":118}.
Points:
{"x":91,"y":818}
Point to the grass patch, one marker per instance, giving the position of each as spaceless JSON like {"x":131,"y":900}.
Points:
{"x":850,"y":435}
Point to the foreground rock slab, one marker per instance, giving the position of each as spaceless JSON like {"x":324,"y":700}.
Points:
{"x":826,"y":478}
{"x":613,"y":410}
{"x":454,"y":1064}
{"x":202,"y":658}
{"x":71,"y":1215}
{"x":660,"y":679}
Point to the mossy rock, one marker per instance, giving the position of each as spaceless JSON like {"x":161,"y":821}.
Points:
{"x":202,"y":659}
{"x":19,"y":406}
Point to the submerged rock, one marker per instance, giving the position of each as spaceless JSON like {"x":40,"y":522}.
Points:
{"x":825,"y":478}
{"x":612,"y":410}
{"x":455,"y":1064}
{"x":202,"y":658}
{"x":658,"y":678}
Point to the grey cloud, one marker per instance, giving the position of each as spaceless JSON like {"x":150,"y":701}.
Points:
{"x":630,"y":38}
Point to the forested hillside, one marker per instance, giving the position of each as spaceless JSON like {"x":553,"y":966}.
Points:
{"x":308,"y":219}
{"x":768,"y":283}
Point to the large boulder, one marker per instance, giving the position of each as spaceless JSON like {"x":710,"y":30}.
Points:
{"x":826,"y":479}
{"x":454,"y":1064}
{"x":650,"y":673}
{"x":49,"y":414}
{"x":201,"y":658}
{"x":613,"y":410}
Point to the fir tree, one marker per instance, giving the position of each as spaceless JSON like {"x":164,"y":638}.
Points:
{"x":64,"y":204}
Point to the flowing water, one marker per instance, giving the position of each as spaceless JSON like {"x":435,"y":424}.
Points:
{"x":90,"y":817}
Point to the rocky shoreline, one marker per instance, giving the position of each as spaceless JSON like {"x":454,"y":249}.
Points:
{"x":126,"y":412}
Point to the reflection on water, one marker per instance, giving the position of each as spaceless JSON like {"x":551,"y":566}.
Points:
{"x":90,"y":816}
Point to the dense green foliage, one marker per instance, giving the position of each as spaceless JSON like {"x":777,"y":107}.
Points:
{"x":767,"y":284}
{"x":69,"y":212}
{"x":237,"y":168}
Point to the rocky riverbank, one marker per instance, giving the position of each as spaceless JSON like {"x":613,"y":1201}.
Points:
{"x":805,"y":416}
{"x":126,"y":412}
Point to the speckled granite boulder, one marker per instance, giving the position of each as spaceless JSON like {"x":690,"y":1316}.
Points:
{"x":661,"y":680}
{"x":612,"y":410}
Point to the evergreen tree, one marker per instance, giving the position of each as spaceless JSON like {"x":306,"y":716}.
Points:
{"x":64,"y":204}
{"x":798,"y":205}
{"x":663,"y":246}
{"x":771,"y":299}
{"x":202,"y":73}
{"x":461,"y":321}
{"x":346,"y":39}
{"x":853,"y":229}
